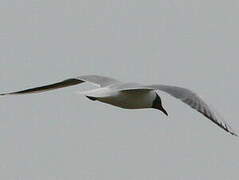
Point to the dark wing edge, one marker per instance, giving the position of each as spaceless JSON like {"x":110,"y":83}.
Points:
{"x":62,"y":84}
{"x":97,"y":80}
{"x":193,"y":100}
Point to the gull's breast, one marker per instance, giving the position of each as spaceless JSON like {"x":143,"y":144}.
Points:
{"x":130,"y":99}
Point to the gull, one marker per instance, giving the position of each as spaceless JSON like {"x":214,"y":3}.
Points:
{"x":133,"y":95}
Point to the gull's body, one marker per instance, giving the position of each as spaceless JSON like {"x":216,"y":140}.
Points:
{"x":138,"y":99}
{"x":133,"y":95}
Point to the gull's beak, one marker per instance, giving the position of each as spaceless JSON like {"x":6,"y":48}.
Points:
{"x":163,"y":110}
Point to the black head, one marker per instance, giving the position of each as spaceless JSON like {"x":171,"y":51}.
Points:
{"x":157,"y":104}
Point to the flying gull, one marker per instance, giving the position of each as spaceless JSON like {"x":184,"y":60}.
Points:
{"x":133,"y":95}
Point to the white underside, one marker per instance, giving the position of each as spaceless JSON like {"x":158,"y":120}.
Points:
{"x":133,"y":99}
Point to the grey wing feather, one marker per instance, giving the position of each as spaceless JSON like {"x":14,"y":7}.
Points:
{"x":129,"y":86}
{"x":194,"y":101}
{"x":101,"y":81}
{"x":98,"y":80}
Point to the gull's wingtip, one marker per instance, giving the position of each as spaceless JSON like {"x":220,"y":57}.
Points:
{"x":6,"y":94}
{"x":232,"y":131}
{"x":229,"y":129}
{"x":234,"y":134}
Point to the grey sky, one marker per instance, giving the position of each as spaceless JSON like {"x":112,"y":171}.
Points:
{"x":59,"y":135}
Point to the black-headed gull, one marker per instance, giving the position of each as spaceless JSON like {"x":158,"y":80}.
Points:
{"x":133,"y":95}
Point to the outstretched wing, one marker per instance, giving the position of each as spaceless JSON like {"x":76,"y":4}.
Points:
{"x":193,"y":100}
{"x":97,"y":80}
{"x":101,"y":81}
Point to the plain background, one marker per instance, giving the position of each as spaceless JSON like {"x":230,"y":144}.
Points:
{"x":60,"y":135}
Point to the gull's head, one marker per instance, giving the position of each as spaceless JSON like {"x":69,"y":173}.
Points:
{"x":157,"y":104}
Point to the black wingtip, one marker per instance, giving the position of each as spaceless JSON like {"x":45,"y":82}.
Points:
{"x":234,"y":134}
{"x":231,"y":131}
{"x":6,"y":94}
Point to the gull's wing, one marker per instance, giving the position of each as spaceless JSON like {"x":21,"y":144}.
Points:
{"x":129,"y":86}
{"x":97,"y":80}
{"x":100,"y":81}
{"x":193,"y":100}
